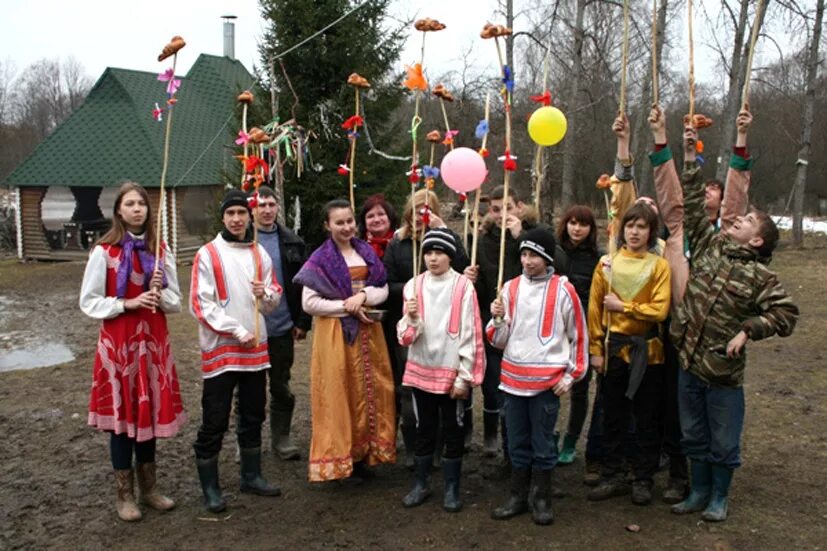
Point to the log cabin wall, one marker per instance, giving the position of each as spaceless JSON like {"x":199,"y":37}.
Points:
{"x":35,"y":244}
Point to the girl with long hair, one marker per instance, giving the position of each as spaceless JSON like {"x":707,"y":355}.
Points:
{"x":135,"y":394}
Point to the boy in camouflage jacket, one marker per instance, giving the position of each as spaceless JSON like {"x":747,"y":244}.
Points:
{"x":731,"y":297}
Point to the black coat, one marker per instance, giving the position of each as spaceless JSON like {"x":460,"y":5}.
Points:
{"x":488,"y":259}
{"x":293,"y":256}
{"x":398,"y":261}
{"x":578,"y":265}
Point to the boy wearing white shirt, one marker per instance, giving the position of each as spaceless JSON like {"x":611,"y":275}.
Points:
{"x":540,"y":325}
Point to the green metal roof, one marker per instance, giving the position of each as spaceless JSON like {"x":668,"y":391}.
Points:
{"x":113,"y":137}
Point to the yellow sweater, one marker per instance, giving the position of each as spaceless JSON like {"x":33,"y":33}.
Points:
{"x":642,"y":282}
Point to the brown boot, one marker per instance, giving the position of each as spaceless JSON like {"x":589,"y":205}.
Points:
{"x":146,"y":484}
{"x":124,"y":484}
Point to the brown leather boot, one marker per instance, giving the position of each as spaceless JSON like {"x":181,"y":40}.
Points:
{"x":149,"y":494}
{"x":125,"y":488}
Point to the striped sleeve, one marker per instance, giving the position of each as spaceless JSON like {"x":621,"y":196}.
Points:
{"x":471,"y":351}
{"x":577,"y":332}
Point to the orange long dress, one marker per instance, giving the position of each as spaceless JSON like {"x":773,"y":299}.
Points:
{"x":352,"y":395}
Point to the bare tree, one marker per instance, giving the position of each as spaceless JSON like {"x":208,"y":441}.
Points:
{"x":570,"y":145}
{"x":807,"y":126}
{"x":738,"y":15}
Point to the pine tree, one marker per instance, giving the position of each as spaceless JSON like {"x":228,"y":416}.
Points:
{"x":317,"y":71}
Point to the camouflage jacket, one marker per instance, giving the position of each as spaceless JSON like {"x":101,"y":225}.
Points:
{"x":730,"y":289}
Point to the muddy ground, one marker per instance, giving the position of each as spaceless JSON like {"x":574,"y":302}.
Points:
{"x":56,"y":485}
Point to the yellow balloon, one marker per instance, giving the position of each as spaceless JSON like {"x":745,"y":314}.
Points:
{"x":547,"y":126}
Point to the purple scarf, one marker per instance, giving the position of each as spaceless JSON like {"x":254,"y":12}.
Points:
{"x":146,"y":258}
{"x":326,"y":272}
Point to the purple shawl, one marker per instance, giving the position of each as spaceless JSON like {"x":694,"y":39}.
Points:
{"x":326,"y":272}
{"x":146,"y":258}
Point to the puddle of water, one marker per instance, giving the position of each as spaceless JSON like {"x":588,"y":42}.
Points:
{"x":45,"y":355}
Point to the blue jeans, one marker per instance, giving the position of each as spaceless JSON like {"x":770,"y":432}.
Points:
{"x":530,"y":424}
{"x":712,"y":418}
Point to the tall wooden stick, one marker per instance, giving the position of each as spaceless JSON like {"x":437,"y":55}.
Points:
{"x":353,"y":157}
{"x":691,"y":65}
{"x":655,"y":86}
{"x":625,"y":56}
{"x":506,"y":173}
{"x":475,"y":237}
{"x":414,"y":125}
{"x":164,"y":168}
{"x":753,"y":38}
{"x":538,"y":152}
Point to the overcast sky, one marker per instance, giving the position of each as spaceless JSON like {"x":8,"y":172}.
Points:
{"x":116,"y":33}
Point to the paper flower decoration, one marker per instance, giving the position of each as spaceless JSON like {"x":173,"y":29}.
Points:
{"x":415,"y":80}
{"x":544,"y":98}
{"x":482,"y":129}
{"x":243,"y":138}
{"x":172,"y":83}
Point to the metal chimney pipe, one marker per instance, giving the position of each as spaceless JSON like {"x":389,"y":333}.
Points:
{"x":229,"y":36}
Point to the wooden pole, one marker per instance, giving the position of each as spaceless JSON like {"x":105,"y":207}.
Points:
{"x":475,"y":237}
{"x":753,"y":39}
{"x":655,"y":88}
{"x":414,"y":125}
{"x":164,"y":169}
{"x":506,"y":173}
{"x":353,"y":157}
{"x":691,"y":66}
{"x":625,"y":56}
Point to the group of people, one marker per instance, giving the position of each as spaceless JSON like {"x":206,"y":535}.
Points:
{"x":658,"y":318}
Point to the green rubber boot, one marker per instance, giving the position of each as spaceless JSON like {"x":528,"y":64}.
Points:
{"x":716,"y":511}
{"x":701,"y":473}
{"x":568,"y":453}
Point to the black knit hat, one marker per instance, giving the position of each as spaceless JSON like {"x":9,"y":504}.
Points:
{"x":540,"y":241}
{"x":234,"y":198}
{"x":439,"y":239}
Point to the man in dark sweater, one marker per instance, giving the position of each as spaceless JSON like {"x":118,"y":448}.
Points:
{"x":288,"y":323}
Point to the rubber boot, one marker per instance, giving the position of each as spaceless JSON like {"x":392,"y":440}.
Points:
{"x":675,"y":491}
{"x":409,"y":441}
{"x":468,"y":429}
{"x":609,"y":488}
{"x":146,"y":484}
{"x":491,"y":427}
{"x":422,"y":481}
{"x":251,"y":480}
{"x":451,"y":472}
{"x":568,"y":452}
{"x":592,"y":474}
{"x":125,"y":495}
{"x":518,"y":499}
{"x":716,"y":511}
{"x":208,"y":475}
{"x":540,"y":501}
{"x":700,"y":490}
{"x":280,"y":422}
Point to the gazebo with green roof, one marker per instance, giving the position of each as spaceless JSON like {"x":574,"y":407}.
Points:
{"x":113,"y":138}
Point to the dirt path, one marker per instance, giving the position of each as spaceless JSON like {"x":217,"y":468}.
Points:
{"x":56,"y":486}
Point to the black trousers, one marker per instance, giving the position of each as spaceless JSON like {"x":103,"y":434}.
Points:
{"x":122,"y":446}
{"x":216,"y":403}
{"x":432,"y":412}
{"x":669,"y":413}
{"x":280,"y":350}
{"x":643,"y":409}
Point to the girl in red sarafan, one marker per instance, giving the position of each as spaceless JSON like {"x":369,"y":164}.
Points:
{"x":135,"y":395}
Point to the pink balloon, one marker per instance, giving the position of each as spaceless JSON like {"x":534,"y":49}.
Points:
{"x":463,"y":170}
